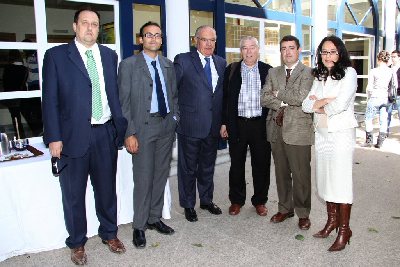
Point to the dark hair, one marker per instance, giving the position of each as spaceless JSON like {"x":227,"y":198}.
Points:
{"x":396,"y":51}
{"x":14,"y":55}
{"x":149,"y":23}
{"x":338,"y":71}
{"x":383,"y":56}
{"x":87,"y":8}
{"x":288,"y":38}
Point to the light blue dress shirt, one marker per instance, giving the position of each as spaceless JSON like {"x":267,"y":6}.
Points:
{"x":154,"y":101}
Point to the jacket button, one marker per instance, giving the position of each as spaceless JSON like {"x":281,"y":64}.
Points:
{"x":149,"y":98}
{"x":146,"y":123}
{"x":151,"y":85}
{"x":148,"y":110}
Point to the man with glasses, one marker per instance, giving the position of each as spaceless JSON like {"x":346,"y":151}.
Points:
{"x":200,"y":77}
{"x":148,"y":95}
{"x":84,"y":126}
{"x":290,"y":132}
{"x":395,"y":104}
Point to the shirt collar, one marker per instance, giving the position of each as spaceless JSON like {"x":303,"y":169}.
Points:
{"x":247,"y":68}
{"x":294,"y":66}
{"x":82,"y":49}
{"x":148,"y":58}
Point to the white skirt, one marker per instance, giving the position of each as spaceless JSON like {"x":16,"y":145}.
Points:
{"x":334,"y":164}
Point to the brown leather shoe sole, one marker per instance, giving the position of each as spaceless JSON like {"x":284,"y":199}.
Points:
{"x":78,"y":256}
{"x":115,"y":245}
{"x":280,"y":217}
{"x":234,"y":209}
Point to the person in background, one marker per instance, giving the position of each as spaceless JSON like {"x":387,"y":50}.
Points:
{"x":31,"y":107}
{"x":84,"y":126}
{"x":377,"y":90}
{"x":290,"y":132}
{"x":148,"y":95}
{"x":395,"y":104}
{"x":15,"y":75}
{"x":199,"y":76}
{"x":244,"y":125}
{"x":331,"y":100}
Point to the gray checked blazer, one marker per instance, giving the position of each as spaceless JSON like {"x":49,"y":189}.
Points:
{"x":297,"y":126}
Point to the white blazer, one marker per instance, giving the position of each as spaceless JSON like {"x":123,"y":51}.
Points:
{"x":340,"y":112}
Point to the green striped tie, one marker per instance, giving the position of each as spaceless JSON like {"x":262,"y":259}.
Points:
{"x":97,"y":107}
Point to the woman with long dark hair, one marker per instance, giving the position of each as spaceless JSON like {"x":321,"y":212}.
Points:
{"x":331,"y":99}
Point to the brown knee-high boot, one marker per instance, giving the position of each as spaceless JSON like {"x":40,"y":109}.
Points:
{"x":344,"y":228}
{"x":332,"y":222}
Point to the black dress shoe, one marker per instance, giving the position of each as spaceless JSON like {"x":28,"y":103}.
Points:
{"x":212,"y":208}
{"x":161,"y":227}
{"x":190,"y":215}
{"x":139,"y":239}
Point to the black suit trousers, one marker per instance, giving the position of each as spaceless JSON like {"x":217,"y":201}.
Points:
{"x":251,"y":134}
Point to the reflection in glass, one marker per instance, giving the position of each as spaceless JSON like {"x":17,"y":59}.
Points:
{"x":331,"y":32}
{"x":143,"y":14}
{"x":332,"y":9}
{"x":306,"y":60}
{"x":306,"y":8}
{"x":60,"y":17}
{"x":17,"y":20}
{"x":232,"y":57}
{"x":236,"y":28}
{"x":21,"y":117}
{"x":306,"y":37}
{"x":281,"y":5}
{"x":242,"y":2}
{"x":197,"y":19}
{"x":359,"y":8}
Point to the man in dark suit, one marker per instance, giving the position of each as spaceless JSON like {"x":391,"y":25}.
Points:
{"x":149,"y":98}
{"x":243,"y":123}
{"x":290,"y":132}
{"x":84,"y":126}
{"x":200,"y":77}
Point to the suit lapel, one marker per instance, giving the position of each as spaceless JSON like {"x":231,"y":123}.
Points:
{"x":142,"y":64}
{"x":76,"y":58}
{"x":199,"y":67}
{"x":220,"y":70}
{"x":296,"y":72}
{"x":282,"y":77}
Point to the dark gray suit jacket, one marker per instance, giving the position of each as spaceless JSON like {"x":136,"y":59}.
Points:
{"x":136,"y":87}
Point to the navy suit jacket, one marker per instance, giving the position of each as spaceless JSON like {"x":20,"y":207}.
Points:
{"x":67,"y":98}
{"x":200,"y":108}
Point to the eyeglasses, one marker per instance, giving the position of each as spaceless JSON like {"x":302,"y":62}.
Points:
{"x":151,"y":36}
{"x":331,"y":53}
{"x":204,"y":40}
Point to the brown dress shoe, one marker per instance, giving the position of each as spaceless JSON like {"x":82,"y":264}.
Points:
{"x":280,"y":217}
{"x":78,"y":256}
{"x":115,"y":245}
{"x":234,"y":209}
{"x":261,"y":210}
{"x":304,"y":223}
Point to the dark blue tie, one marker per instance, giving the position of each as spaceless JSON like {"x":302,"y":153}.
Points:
{"x":207,"y":71}
{"x":162,"y":108}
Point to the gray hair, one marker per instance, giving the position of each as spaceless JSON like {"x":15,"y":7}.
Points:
{"x":199,"y":29}
{"x":248,"y":38}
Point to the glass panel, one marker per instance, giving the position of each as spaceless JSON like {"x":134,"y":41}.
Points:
{"x":17,"y":20}
{"x":348,"y":18}
{"x":197,"y":19}
{"x":273,"y":34}
{"x":232,"y":57}
{"x":306,"y":60}
{"x":331,"y":32}
{"x":281,"y":5}
{"x":306,"y":37}
{"x":381,"y":21}
{"x":332,"y":9}
{"x":60,"y":16}
{"x":143,"y":14}
{"x":241,"y":2}
{"x":369,"y":21}
{"x":359,"y":8}
{"x":306,"y":8}
{"x":237,"y":28}
{"x":23,"y":116}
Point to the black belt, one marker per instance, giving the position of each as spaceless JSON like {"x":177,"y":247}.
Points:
{"x":98,"y":125}
{"x":249,"y":119}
